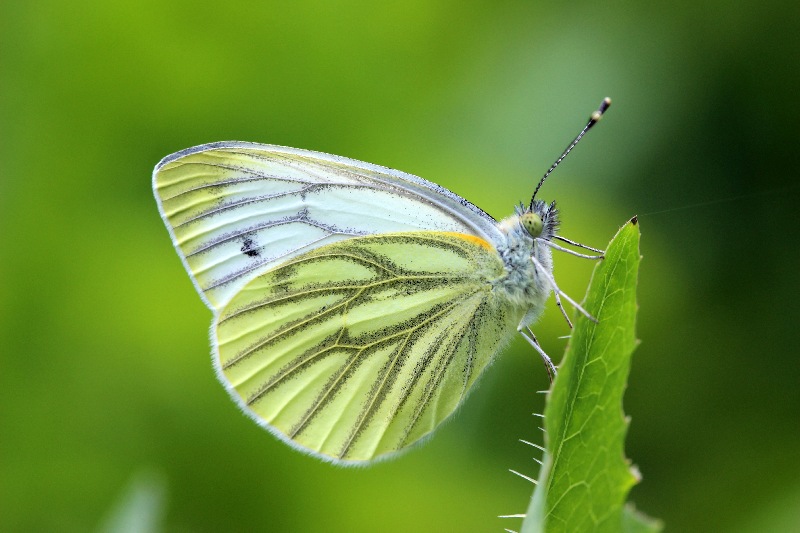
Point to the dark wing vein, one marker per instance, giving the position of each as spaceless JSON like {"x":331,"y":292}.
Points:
{"x":432,"y":385}
{"x":407,"y":345}
{"x":238,"y":203}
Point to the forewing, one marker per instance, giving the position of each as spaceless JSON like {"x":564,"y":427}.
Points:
{"x":235,"y":209}
{"x":360,"y":348}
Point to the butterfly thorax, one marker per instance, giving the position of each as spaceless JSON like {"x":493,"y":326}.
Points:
{"x":523,"y":284}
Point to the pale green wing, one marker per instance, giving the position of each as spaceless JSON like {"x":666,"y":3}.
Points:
{"x":360,"y":348}
{"x":236,"y":209}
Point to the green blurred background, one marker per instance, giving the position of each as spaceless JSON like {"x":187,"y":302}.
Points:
{"x":105,"y":378}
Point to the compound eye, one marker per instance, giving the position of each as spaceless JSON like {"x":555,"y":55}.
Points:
{"x":532,"y":224}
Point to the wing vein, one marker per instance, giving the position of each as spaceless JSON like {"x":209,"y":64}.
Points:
{"x":370,"y":407}
{"x":436,"y":379}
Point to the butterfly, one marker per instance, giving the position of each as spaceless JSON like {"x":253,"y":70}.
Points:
{"x":355,"y":306}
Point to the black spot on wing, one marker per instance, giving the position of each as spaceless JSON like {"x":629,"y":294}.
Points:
{"x":250,"y":248}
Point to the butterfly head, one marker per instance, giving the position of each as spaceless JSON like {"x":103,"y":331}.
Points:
{"x":539,"y":220}
{"x":532,"y":223}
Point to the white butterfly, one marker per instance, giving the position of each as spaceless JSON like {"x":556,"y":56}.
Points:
{"x":354,"y":305}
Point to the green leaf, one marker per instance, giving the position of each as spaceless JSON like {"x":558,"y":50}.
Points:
{"x":585,"y":477}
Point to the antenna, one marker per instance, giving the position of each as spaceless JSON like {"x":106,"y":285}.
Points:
{"x":594,"y":119}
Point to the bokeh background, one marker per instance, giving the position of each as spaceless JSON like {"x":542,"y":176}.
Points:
{"x":108,"y":402}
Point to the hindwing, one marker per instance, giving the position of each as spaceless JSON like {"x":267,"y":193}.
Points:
{"x":360,"y":348}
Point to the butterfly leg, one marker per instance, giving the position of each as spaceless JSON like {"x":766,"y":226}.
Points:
{"x":553,"y":284}
{"x":579,"y":245}
{"x":563,"y":311}
{"x":572,"y":252}
{"x":531,"y":338}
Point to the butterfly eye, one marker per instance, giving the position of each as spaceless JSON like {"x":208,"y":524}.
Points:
{"x":532,"y":224}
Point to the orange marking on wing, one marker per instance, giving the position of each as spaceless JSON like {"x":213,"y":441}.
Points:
{"x":470,"y":238}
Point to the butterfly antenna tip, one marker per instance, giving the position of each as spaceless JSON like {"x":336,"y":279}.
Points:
{"x":593,"y":119}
